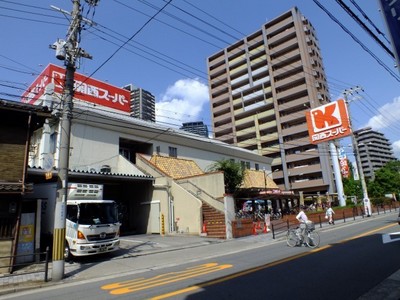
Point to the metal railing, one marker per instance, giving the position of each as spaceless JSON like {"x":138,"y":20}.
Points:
{"x":282,"y":226}
{"x":44,"y":262}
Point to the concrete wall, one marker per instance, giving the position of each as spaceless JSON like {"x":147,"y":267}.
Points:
{"x":5,"y":250}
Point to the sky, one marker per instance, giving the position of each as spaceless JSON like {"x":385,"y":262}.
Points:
{"x":163,"y":46}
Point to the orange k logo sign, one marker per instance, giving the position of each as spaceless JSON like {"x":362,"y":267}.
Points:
{"x":324,"y":119}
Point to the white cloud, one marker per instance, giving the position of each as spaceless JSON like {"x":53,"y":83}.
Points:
{"x":396,"y":149}
{"x":184,"y":101}
{"x":387,"y":115}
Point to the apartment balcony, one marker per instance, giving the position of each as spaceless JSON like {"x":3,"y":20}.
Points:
{"x":269,"y":137}
{"x":240,"y":89}
{"x":295,"y":129}
{"x":302,"y":101}
{"x":247,"y":143}
{"x":288,"y":80}
{"x":237,"y":60}
{"x":279,"y":25}
{"x":239,"y":79}
{"x":270,"y":150}
{"x":247,"y":120}
{"x":298,"y":115}
{"x":301,"y":156}
{"x":266,"y":114}
{"x":281,"y":35}
{"x":287,"y":55}
{"x":238,"y":69}
{"x":261,"y":80}
{"x":302,"y":185}
{"x":220,"y":98}
{"x":307,"y":169}
{"x":259,"y":70}
{"x":289,"y":92}
{"x":246,"y":131}
{"x":215,"y":72}
{"x":268,"y":125}
{"x":257,"y":50}
{"x":283,"y":46}
{"x":262,"y":58}
{"x":217,"y":58}
{"x":221,"y":107}
{"x":286,"y":69}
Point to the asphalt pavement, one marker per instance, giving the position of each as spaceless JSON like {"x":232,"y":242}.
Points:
{"x":143,"y":247}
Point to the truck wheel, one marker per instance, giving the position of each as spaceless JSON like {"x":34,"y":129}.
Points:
{"x":67,"y":252}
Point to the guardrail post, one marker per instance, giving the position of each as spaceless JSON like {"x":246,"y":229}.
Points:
{"x":320,"y":221}
{"x":273,"y":230}
{"x":344,"y":217}
{"x":46,"y":266}
{"x":377,"y":209}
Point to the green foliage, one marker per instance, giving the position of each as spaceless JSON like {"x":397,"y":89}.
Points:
{"x":387,"y":180}
{"x":352,"y":187}
{"x":233,"y":173}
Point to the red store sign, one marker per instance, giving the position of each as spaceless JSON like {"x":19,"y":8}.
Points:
{"x":86,"y":89}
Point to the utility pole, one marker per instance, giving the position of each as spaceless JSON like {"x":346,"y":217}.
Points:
{"x":70,"y":52}
{"x":366,"y":201}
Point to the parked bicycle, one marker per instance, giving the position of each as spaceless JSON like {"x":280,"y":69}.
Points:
{"x":310,"y":237}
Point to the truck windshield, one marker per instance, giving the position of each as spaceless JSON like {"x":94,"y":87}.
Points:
{"x":97,"y":213}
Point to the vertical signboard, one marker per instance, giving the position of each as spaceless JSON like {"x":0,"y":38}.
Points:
{"x":328,"y":122}
{"x":344,"y":167}
{"x":86,"y":89}
{"x":26,"y":238}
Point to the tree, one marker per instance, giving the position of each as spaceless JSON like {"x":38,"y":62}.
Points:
{"x":233,"y":173}
{"x":387,"y":180}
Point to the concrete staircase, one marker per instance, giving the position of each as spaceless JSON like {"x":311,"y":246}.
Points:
{"x":214,"y":222}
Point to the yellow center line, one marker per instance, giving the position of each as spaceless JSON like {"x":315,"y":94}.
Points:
{"x":137,"y":285}
{"x":242,"y":273}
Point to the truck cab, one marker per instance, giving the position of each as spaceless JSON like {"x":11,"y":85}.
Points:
{"x":92,"y":224}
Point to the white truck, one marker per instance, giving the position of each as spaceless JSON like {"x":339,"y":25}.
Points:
{"x":92,"y":224}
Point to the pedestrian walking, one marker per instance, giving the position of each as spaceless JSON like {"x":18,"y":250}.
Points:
{"x":329,"y":215}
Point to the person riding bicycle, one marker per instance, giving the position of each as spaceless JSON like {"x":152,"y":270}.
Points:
{"x":303,"y":219}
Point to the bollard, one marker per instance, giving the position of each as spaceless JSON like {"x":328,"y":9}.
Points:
{"x":46,"y":266}
{"x":254,"y":229}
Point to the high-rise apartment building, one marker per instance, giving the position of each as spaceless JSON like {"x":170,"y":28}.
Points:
{"x":142,"y":103}
{"x":374,"y":149}
{"x":195,"y":127}
{"x":260,"y":88}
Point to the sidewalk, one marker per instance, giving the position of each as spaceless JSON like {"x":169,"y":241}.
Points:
{"x":140,"y":246}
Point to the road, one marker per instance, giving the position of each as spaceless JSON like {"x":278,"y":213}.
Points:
{"x":349,"y":262}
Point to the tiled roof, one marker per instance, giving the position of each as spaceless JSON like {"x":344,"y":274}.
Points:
{"x":175,"y":167}
{"x":258,"y":179}
{"x":15,"y":187}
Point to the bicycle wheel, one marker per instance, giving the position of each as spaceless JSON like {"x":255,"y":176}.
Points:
{"x":312,"y":239}
{"x":291,"y":238}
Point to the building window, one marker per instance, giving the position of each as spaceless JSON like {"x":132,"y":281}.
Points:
{"x":173,"y":152}
{"x":257,"y":167}
{"x":158,"y":150}
{"x":53,"y":142}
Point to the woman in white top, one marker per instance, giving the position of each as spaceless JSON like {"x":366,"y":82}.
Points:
{"x":329,"y":214}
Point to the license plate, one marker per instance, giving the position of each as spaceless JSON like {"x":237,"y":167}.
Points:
{"x":103,"y":249}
